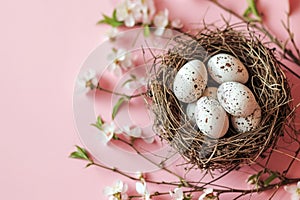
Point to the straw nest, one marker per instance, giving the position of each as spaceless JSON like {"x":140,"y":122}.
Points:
{"x":267,"y":82}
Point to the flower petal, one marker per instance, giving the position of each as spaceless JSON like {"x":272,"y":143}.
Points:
{"x":208,"y":190}
{"x":176,"y":23}
{"x":149,"y":140}
{"x":107,"y":191}
{"x":129,"y":21}
{"x":136,"y":132}
{"x":161,"y":19}
{"x":121,"y":12}
{"x":139,"y":187}
{"x":90,"y":74}
{"x":290,"y":188}
{"x":159,"y":31}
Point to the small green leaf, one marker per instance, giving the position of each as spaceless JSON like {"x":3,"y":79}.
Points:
{"x":99,"y":121}
{"x":114,"y":15}
{"x":117,"y":106}
{"x":146,"y":30}
{"x":110,"y":21}
{"x":252,"y":179}
{"x":81,"y":153}
{"x":247,"y":12}
{"x":252,"y":9}
{"x":97,"y":126}
{"x":272,"y":176}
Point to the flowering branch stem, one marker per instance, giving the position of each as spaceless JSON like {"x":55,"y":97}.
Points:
{"x":119,"y":94}
{"x":182,"y":180}
{"x":287,"y":53}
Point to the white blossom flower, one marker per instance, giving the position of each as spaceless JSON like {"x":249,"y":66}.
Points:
{"x":121,"y":60}
{"x":207,"y":194}
{"x":87,"y":81}
{"x":133,"y":11}
{"x":113,"y":33}
{"x":148,"y":10}
{"x":128,"y":12}
{"x":136,"y":132}
{"x":177,"y":194}
{"x":109,"y":130}
{"x":141,"y":188}
{"x":161,"y":21}
{"x":117,"y":191}
{"x":176,"y":23}
{"x":294,"y":190}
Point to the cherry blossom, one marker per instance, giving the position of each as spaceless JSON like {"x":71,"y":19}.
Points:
{"x":109,"y":130}
{"x":177,"y":194}
{"x":117,"y":191}
{"x":141,"y":188}
{"x":207,"y":194}
{"x":135,"y":11}
{"x":113,"y":33}
{"x":294,"y":190}
{"x":176,"y":23}
{"x":136,"y":132}
{"x":87,"y":81}
{"x":121,"y":60}
{"x":161,"y":21}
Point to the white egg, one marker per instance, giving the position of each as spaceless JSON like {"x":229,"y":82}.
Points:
{"x":211,"y":118}
{"x":190,"y":112}
{"x":236,"y":98}
{"x":249,"y":123}
{"x":210,"y":92}
{"x":224,"y":67}
{"x":190,"y":81}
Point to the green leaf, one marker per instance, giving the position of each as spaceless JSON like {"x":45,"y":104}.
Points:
{"x":117,"y":106}
{"x":98,"y":123}
{"x":247,"y":12}
{"x":146,"y":30}
{"x":110,"y":20}
{"x":252,"y":9}
{"x":114,"y":15}
{"x":272,"y":176}
{"x":80,"y":153}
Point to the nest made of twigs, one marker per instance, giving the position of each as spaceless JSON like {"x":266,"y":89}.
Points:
{"x":267,"y":82}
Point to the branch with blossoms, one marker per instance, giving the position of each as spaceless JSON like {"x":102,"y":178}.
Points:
{"x":254,"y":18}
{"x":140,"y":13}
{"x":143,"y":13}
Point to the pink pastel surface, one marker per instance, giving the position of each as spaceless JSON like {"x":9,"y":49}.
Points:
{"x":42,"y":46}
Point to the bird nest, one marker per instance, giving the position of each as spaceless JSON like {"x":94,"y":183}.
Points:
{"x":267,"y":81}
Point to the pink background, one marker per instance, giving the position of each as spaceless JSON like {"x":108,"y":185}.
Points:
{"x":42,"y":46}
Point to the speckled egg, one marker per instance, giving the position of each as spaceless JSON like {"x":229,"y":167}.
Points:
{"x":211,"y":118}
{"x":236,"y":98}
{"x":249,"y":123}
{"x":210,"y":92}
{"x":190,"y":112}
{"x":190,"y":81}
{"x":224,"y":67}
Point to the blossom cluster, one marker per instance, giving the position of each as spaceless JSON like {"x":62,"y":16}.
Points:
{"x":131,"y":13}
{"x":119,"y":192}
